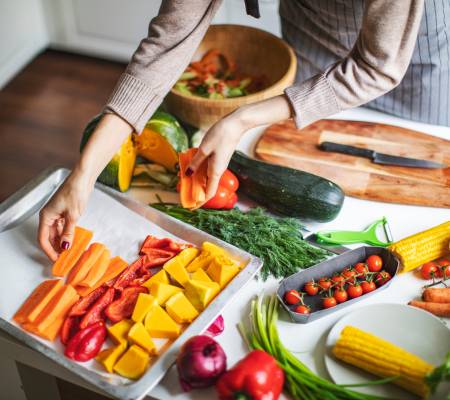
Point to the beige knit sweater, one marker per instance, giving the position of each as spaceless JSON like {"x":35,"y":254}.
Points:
{"x":376,"y":64}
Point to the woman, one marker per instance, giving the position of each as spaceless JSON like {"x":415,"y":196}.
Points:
{"x":350,"y":52}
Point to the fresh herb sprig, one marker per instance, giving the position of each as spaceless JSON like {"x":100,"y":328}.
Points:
{"x":277,"y":241}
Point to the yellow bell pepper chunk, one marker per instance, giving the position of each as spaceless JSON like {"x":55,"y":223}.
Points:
{"x":163,"y":292}
{"x":201,"y":293}
{"x":119,"y":331}
{"x":222,"y":270}
{"x":214,"y":249}
{"x":139,"y":335}
{"x":160,"y":276}
{"x":109,"y":356}
{"x":201,"y":275}
{"x":200,"y":262}
{"x":133,"y":363}
{"x":181,"y":309}
{"x":176,"y":270}
{"x":143,"y":305}
{"x":160,"y":325}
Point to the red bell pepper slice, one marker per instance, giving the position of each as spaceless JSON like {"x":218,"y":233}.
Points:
{"x":70,"y":327}
{"x":86,"y":343}
{"x":129,"y":274}
{"x":95,"y":313}
{"x":155,"y":258}
{"x":152,"y":242}
{"x":257,"y":376}
{"x":85,"y":303}
{"x":123,"y":307}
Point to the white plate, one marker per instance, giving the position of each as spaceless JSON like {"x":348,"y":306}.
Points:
{"x":414,"y":330}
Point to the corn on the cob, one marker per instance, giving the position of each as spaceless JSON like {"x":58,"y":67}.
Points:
{"x":422,"y":247}
{"x":384,"y":359}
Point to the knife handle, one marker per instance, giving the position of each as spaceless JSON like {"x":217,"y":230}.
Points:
{"x":346,"y":149}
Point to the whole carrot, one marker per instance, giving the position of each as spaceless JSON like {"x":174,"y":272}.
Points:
{"x":436,"y":295}
{"x":438,"y":309}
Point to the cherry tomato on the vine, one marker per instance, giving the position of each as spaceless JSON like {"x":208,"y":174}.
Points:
{"x":292,"y":297}
{"x":354,"y":290}
{"x":367,"y":286}
{"x":328,"y":302}
{"x":361,"y":269}
{"x":302,"y":309}
{"x":324,"y":283}
{"x":375,"y":263}
{"x":429,"y":270}
{"x":382,"y":277}
{"x":338,"y":280}
{"x":311,"y":288}
{"x":229,"y":181}
{"x":340,"y":295}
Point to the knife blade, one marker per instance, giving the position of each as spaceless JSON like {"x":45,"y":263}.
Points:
{"x":379,"y":158}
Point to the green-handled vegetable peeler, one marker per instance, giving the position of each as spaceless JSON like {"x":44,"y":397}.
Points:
{"x":368,"y":236}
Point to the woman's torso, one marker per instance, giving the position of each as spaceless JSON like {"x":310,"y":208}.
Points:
{"x":324,"y":31}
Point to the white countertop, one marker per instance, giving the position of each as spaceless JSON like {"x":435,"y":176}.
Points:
{"x":307,"y":341}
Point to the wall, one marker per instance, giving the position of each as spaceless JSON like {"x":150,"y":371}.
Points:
{"x":22,"y":35}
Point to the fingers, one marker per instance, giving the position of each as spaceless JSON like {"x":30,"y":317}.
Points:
{"x":45,"y":233}
{"x":198,"y":159}
{"x":68,"y":231}
{"x":215,"y":171}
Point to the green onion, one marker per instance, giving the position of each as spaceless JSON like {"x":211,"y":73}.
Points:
{"x":301,"y":382}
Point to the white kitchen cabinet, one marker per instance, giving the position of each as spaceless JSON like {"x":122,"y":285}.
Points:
{"x":113,"y":28}
{"x":22,"y":35}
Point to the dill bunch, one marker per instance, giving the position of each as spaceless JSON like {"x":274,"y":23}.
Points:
{"x":277,"y":241}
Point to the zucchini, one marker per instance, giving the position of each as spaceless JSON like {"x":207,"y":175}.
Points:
{"x":287,"y":191}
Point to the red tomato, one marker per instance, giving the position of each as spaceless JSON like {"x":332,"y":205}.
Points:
{"x":368,"y":286}
{"x":232,"y":200}
{"x":443,"y":262}
{"x":375,"y":263}
{"x":382,"y":277}
{"x":354,"y":290}
{"x":340,"y":295}
{"x":302,"y":309}
{"x":311,"y":288}
{"x":349,"y":274}
{"x":361,"y":269}
{"x":324,"y":283}
{"x":445,"y":272}
{"x":292,"y":297}
{"x":429,"y":270}
{"x":220,"y":199}
{"x":328,"y":302}
{"x":338,"y":280}
{"x":229,"y":181}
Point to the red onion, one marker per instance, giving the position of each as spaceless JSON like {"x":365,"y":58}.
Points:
{"x":217,"y":327}
{"x":200,"y":362}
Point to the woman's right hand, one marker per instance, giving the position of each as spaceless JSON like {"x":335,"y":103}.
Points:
{"x":58,"y":218}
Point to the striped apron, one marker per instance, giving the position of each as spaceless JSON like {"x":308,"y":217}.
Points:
{"x":324,"y":31}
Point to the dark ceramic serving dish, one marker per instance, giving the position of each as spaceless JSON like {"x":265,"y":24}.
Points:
{"x":329,"y":268}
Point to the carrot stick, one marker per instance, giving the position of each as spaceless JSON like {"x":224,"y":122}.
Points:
{"x":437,"y":295}
{"x":88,"y":259}
{"x":438,"y":309}
{"x":97,"y":270}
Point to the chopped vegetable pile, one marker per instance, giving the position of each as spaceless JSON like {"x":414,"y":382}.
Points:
{"x":215,"y":76}
{"x":277,"y":241}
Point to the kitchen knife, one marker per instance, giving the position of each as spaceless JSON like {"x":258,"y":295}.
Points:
{"x":378,"y":158}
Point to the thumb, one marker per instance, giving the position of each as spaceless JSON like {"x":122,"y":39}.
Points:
{"x":68,"y":232}
{"x":197,"y":160}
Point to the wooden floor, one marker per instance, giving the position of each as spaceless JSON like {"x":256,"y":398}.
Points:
{"x":43,"y":111}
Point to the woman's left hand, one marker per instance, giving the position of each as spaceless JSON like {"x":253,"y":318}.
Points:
{"x":222,"y":138}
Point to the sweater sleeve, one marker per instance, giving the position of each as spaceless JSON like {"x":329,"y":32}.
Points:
{"x":375,"y":65}
{"x":173,"y":36}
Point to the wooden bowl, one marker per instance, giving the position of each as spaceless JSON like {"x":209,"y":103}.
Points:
{"x":256,"y":53}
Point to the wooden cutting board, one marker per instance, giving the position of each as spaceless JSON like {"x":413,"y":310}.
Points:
{"x":284,"y":144}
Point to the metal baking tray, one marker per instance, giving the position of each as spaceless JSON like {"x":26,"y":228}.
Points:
{"x":28,"y":201}
{"x":328,"y":268}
